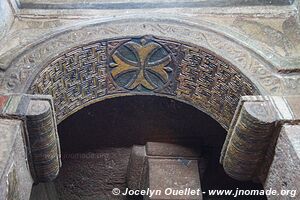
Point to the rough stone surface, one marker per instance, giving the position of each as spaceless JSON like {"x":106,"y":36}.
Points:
{"x":156,"y":67}
{"x":278,"y":24}
{"x":284,"y":172}
{"x":44,"y":191}
{"x":170,"y":150}
{"x":159,"y":166}
{"x":15,"y":177}
{"x":173,"y":173}
{"x":40,"y":132}
{"x":247,"y":37}
{"x":248,"y":140}
{"x":6,"y":18}
{"x":134,"y":4}
{"x":44,"y":142}
{"x":136,"y":167}
{"x":293,"y":102}
{"x":93,"y":175}
{"x":248,"y":146}
{"x":260,"y":44}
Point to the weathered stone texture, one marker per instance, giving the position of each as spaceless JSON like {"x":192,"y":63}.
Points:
{"x":15,"y":177}
{"x":6,"y":17}
{"x":293,"y":102}
{"x":93,"y":175}
{"x":44,"y":142}
{"x":136,"y":165}
{"x":249,"y":146}
{"x":209,"y":57}
{"x":284,"y":173}
{"x":131,"y":4}
{"x":40,"y":132}
{"x":249,"y":140}
{"x":21,"y":70}
{"x":176,"y":174}
{"x":168,"y":168}
{"x":246,"y":36}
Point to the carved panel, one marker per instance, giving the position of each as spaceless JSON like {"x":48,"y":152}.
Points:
{"x":215,"y":85}
{"x":278,"y":41}
{"x":75,"y":77}
{"x":21,"y":65}
{"x":143,"y":65}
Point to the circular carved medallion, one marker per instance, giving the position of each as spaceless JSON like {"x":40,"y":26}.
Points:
{"x":141,"y":65}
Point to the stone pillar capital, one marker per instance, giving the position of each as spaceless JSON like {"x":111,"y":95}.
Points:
{"x":37,"y":116}
{"x":252,"y":133}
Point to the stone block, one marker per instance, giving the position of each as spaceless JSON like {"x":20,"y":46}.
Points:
{"x":169,"y":150}
{"x":170,"y":171}
{"x":136,"y":167}
{"x":15,"y":177}
{"x":175,"y":178}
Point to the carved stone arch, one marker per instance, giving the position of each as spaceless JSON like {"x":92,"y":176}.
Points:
{"x":19,"y":70}
{"x":143,"y":65}
{"x":253,"y":72}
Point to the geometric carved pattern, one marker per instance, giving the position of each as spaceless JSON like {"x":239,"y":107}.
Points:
{"x":143,"y":65}
{"x":207,"y":80}
{"x":74,"y":78}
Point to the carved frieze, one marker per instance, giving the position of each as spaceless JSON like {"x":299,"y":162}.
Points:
{"x":21,"y":70}
{"x":143,"y":65}
{"x":206,"y":80}
{"x":79,"y":73}
{"x":274,"y":39}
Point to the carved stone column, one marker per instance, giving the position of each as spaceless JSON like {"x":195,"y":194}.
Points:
{"x":249,"y":146}
{"x":35,"y":115}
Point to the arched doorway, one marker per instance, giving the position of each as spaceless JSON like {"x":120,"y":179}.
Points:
{"x":97,"y":140}
{"x":146,"y":65}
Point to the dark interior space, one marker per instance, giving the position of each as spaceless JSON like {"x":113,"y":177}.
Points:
{"x":96,"y":143}
{"x":124,"y":121}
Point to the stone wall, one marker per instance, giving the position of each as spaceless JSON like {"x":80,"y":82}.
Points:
{"x":15,"y":178}
{"x":133,"y":4}
{"x":286,"y":157}
{"x":6,"y":17}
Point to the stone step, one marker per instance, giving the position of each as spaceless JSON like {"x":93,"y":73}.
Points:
{"x":166,"y":171}
{"x":174,"y":178}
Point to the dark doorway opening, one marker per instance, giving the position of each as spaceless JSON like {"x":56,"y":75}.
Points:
{"x":96,"y":143}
